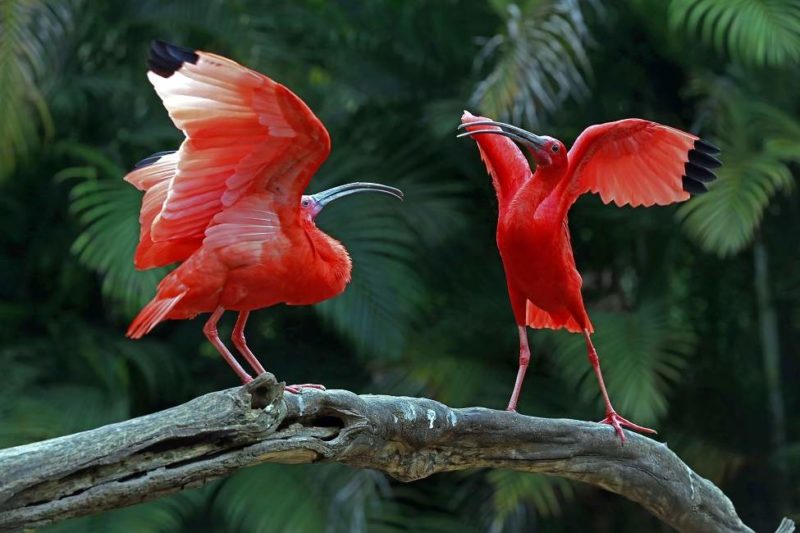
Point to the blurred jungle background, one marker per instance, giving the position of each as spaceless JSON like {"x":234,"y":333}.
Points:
{"x":695,"y":305}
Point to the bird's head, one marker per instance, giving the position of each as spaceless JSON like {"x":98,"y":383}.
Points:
{"x":312,"y":204}
{"x":546,"y":151}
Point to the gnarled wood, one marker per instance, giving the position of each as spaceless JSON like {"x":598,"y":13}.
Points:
{"x":409,"y":438}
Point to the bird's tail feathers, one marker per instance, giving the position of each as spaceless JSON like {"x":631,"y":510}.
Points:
{"x":538,"y":318}
{"x":152,"y":170}
{"x":151,"y":315}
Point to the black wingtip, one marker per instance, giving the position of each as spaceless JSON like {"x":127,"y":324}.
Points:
{"x":149,"y":160}
{"x":706,"y":147}
{"x":693,"y":186}
{"x":166,"y":58}
{"x":698,"y":169}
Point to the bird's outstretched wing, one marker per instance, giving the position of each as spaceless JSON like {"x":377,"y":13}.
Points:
{"x":505,"y":162}
{"x":638,"y":162}
{"x":245,"y":134}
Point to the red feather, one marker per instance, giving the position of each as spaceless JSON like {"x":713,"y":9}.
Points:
{"x":631,"y":161}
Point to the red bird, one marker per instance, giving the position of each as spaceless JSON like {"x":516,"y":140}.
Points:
{"x":630,"y":161}
{"x":229,"y":203}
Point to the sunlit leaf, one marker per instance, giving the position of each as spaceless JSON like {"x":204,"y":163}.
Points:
{"x":539,"y":61}
{"x":760,"y":32}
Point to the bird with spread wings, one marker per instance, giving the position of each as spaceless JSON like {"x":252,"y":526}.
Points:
{"x":229,"y":203}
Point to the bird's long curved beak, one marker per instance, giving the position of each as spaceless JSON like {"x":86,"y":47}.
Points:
{"x":507,"y":130}
{"x":325,"y":197}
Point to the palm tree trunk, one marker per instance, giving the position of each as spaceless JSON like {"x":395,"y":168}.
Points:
{"x":770,"y":349}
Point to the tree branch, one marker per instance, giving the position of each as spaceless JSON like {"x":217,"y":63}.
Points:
{"x":409,"y":438}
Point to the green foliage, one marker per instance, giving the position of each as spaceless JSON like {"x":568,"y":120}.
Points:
{"x":109,"y":212}
{"x":537,"y":63}
{"x":161,"y":516}
{"x":515,"y":489}
{"x":26,"y":30}
{"x":296,"y":501}
{"x":710,"y":460}
{"x":427,"y":311}
{"x":759,"y":142}
{"x":758,"y":32}
{"x":642,"y":351}
{"x":381,"y":235}
{"x":112,"y":369}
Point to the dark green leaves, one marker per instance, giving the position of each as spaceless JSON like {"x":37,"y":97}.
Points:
{"x":537,"y":62}
{"x":758,"y":141}
{"x":27,"y":31}
{"x":758,"y":32}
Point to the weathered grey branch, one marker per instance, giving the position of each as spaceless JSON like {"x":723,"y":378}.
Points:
{"x":409,"y":438}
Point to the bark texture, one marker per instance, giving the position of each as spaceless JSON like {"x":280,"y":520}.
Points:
{"x":409,"y":438}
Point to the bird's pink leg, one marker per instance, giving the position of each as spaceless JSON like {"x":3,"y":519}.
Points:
{"x":241,"y":344}
{"x":210,"y":329}
{"x":612,"y":418}
{"x":524,"y":359}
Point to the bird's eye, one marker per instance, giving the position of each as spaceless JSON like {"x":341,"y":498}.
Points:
{"x":554,"y":148}
{"x":304,"y":203}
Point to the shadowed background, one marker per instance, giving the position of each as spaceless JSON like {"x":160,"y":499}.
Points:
{"x":695,"y":306}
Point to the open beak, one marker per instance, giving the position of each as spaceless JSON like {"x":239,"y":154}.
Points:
{"x":325,"y":197}
{"x":507,"y":130}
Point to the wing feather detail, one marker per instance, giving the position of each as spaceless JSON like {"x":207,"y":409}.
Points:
{"x":639,"y":162}
{"x":245,"y":135}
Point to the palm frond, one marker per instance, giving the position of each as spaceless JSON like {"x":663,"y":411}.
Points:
{"x":107,"y":368}
{"x":757,"y":32}
{"x":540,"y":60}
{"x":292,"y":498}
{"x":68,"y":409}
{"x":108,"y":211}
{"x":724,"y":220}
{"x":512,"y":490}
{"x":288,"y":492}
{"x":758,"y":142}
{"x":641,"y":352}
{"x":29,"y":31}
{"x":379,"y":306}
{"x":430,"y":507}
{"x":386,"y":293}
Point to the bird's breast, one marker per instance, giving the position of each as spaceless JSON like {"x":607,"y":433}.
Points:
{"x":525,"y":235}
{"x":538,"y":260}
{"x":325,"y":272}
{"x":296,"y":271}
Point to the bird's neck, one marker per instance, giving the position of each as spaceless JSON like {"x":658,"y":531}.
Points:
{"x":538,"y":192}
{"x":331,"y":259}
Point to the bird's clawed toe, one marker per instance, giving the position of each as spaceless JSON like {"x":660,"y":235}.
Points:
{"x":617,"y":422}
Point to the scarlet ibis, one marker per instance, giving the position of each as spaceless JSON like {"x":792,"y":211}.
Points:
{"x":630,"y":161}
{"x":229,"y":202}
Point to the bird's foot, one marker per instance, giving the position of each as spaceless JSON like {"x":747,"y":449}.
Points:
{"x":617,"y":422}
{"x":296,"y":389}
